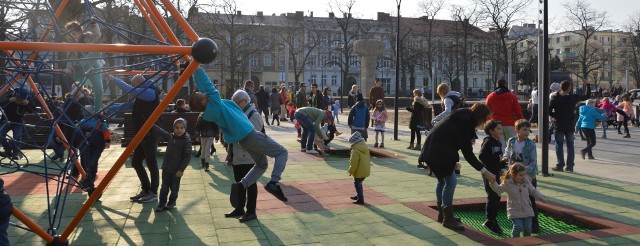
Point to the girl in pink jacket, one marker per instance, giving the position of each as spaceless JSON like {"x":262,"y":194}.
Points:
{"x":609,"y":110}
{"x":379,"y":118}
{"x":518,"y":188}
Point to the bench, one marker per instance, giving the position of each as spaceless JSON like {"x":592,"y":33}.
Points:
{"x":36,"y":131}
{"x":165,"y":121}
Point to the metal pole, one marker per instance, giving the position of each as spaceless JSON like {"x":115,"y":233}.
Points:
{"x":545,"y":90}
{"x":396,"y":101}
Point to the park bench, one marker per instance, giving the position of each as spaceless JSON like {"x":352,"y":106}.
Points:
{"x":165,"y":122}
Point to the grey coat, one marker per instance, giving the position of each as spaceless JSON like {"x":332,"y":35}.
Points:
{"x":241,"y":156}
{"x":275,"y":100}
{"x":178,"y":154}
{"x":518,"y":203}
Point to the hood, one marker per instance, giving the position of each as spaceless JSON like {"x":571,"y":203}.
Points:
{"x":584,"y":109}
{"x":360,"y":148}
{"x":422,"y":100}
{"x":453,"y":93}
{"x":501,"y":90}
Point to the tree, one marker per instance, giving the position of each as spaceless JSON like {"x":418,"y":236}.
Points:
{"x":633,"y":50}
{"x":500,"y":15}
{"x":555,"y":64}
{"x":466,"y":19}
{"x":430,"y":9}
{"x":346,"y":23}
{"x":584,"y":21}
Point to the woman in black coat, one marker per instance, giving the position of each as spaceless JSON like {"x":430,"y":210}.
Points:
{"x":416,"y":123}
{"x":440,"y":151}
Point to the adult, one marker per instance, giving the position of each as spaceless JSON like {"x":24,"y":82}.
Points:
{"x":285,"y":101}
{"x":301,"y":96}
{"x":352,"y":96}
{"x":310,"y":119}
{"x":440,"y":152}
{"x":376,"y":93}
{"x":147,"y":98}
{"x":328,"y":99}
{"x":315,"y":98}
{"x":275,"y":100}
{"x":562,"y":106}
{"x":263,"y":103}
{"x":534,"y":105}
{"x":505,"y":108}
{"x":417,"y":122}
{"x":359,"y":118}
{"x":181,"y":106}
{"x":249,"y":86}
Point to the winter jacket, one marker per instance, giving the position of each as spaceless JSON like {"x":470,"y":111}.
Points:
{"x":360,"y":161}
{"x":253,"y":96}
{"x":14,"y":112}
{"x":316,"y":100}
{"x":351,"y":98}
{"x":455,"y":132}
{"x":627,"y":107}
{"x":518,"y":202}
{"x":379,"y":117}
{"x":449,"y":104}
{"x":275,"y":100}
{"x":417,"y":109}
{"x":608,"y":107}
{"x":491,"y":155}
{"x":206,"y":129}
{"x":241,"y":156}
{"x":328,"y":102}
{"x":226,"y":113}
{"x":301,"y":99}
{"x":375,"y":93}
{"x":562,"y":107}
{"x":263,"y":98}
{"x":504,"y":106}
{"x":529,"y":156}
{"x":178,"y":153}
{"x":317,"y":118}
{"x":588,"y":117}
{"x":359,"y":116}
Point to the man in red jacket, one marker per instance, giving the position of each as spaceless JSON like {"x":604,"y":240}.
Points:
{"x":504,"y":107}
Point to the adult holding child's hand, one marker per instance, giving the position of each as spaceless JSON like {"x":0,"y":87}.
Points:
{"x":440,"y":151}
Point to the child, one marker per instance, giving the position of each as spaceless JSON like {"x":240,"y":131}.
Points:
{"x":291,"y":109}
{"x":625,"y":112}
{"x":359,"y":166}
{"x":205,"y":133}
{"x":14,"y":111}
{"x":520,"y":149}
{"x":176,"y":160}
{"x":6,"y":209}
{"x":379,"y":118}
{"x":359,"y":118}
{"x":519,"y":189}
{"x":98,"y":138}
{"x":336,"y":111}
{"x":242,"y":162}
{"x":416,"y":123}
{"x":587,"y":124}
{"x":609,"y":110}
{"x":491,"y":155}
{"x":237,"y":129}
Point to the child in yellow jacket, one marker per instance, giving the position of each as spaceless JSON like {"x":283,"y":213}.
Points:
{"x":359,"y":165}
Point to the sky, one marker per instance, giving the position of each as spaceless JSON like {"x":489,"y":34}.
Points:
{"x":618,"y":10}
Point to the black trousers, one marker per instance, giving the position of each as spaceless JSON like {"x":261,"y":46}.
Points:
{"x":590,"y":134}
{"x":534,"y":182}
{"x":147,"y":150}
{"x":170,"y":182}
{"x":416,"y":134}
{"x":239,"y":171}
{"x":493,"y":199}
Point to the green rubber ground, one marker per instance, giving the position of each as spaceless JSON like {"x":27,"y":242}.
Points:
{"x":548,"y":225}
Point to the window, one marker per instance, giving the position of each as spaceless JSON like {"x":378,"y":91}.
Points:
{"x":557,"y":40}
{"x":557,"y":51}
{"x":334,"y":60}
{"x":282,"y":61}
{"x":266,"y":60}
{"x":325,"y":40}
{"x":323,"y":60}
{"x":313,"y":60}
{"x":567,"y":38}
{"x":312,"y":80}
{"x":254,"y":61}
{"x":387,"y":44}
{"x":334,"y":79}
{"x":354,"y":60}
{"x":475,"y":80}
{"x":324,"y":79}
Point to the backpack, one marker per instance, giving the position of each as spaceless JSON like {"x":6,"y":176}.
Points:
{"x":249,"y":116}
{"x":457,"y":102}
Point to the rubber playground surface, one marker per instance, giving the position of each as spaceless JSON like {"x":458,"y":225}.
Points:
{"x":319,"y":211}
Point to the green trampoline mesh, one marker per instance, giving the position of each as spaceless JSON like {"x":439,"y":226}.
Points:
{"x":548,"y":225}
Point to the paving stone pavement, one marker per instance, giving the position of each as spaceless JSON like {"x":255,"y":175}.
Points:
{"x":319,"y":211}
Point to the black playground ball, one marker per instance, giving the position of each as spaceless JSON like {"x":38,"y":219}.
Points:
{"x":204,"y":50}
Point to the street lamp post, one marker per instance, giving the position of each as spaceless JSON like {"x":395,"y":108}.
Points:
{"x":396,"y":101}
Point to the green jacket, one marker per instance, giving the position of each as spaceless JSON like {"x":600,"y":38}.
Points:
{"x":317,"y":117}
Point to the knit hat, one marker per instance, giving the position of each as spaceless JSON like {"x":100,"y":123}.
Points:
{"x":180,"y":121}
{"x":22,"y":93}
{"x":590,"y":101}
{"x":355,"y":138}
{"x":89,"y":110}
{"x":555,"y":87}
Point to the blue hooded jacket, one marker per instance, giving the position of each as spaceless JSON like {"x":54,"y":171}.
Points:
{"x":588,"y":117}
{"x":226,"y":113}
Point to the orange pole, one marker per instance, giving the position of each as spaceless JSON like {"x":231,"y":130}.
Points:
{"x":110,"y":48}
{"x":146,"y":17}
{"x":163,"y":23}
{"x":32,"y":225}
{"x":57,"y":14}
{"x":193,"y":36}
{"x":132,"y":145}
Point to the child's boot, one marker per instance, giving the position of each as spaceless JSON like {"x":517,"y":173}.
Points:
{"x":493,"y":226}
{"x":535,"y":225}
{"x":410,"y":146}
{"x":206,"y":166}
{"x":202,"y":163}
{"x":449,"y":221}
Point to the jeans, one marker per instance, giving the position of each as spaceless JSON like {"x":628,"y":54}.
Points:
{"x":147,"y":150}
{"x":358,"y":184}
{"x":493,"y":200}
{"x":4,"y":236}
{"x":521,"y":225}
{"x":169,"y":182}
{"x":14,"y":146}
{"x":561,"y":137}
{"x":251,"y":196}
{"x":590,"y":134}
{"x":259,"y":146}
{"x":90,"y":156}
{"x":445,"y":188}
{"x":308,"y":131}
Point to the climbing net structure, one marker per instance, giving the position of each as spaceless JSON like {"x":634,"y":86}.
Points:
{"x":38,"y":50}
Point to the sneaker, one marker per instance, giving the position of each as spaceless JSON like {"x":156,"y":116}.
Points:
{"x":160,"y":208}
{"x":148,"y":198}
{"x":557,"y":169}
{"x":493,"y":226}
{"x":381,"y":145}
{"x":303,"y":150}
{"x":583,"y":153}
{"x":275,"y":190}
{"x":569,"y":170}
{"x":311,"y":151}
{"x":354,"y":198}
{"x":138,"y":196}
{"x":590,"y":157}
{"x":170,"y":205}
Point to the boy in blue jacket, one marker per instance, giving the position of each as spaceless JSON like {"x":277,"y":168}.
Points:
{"x":587,"y":124}
{"x":237,"y":129}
